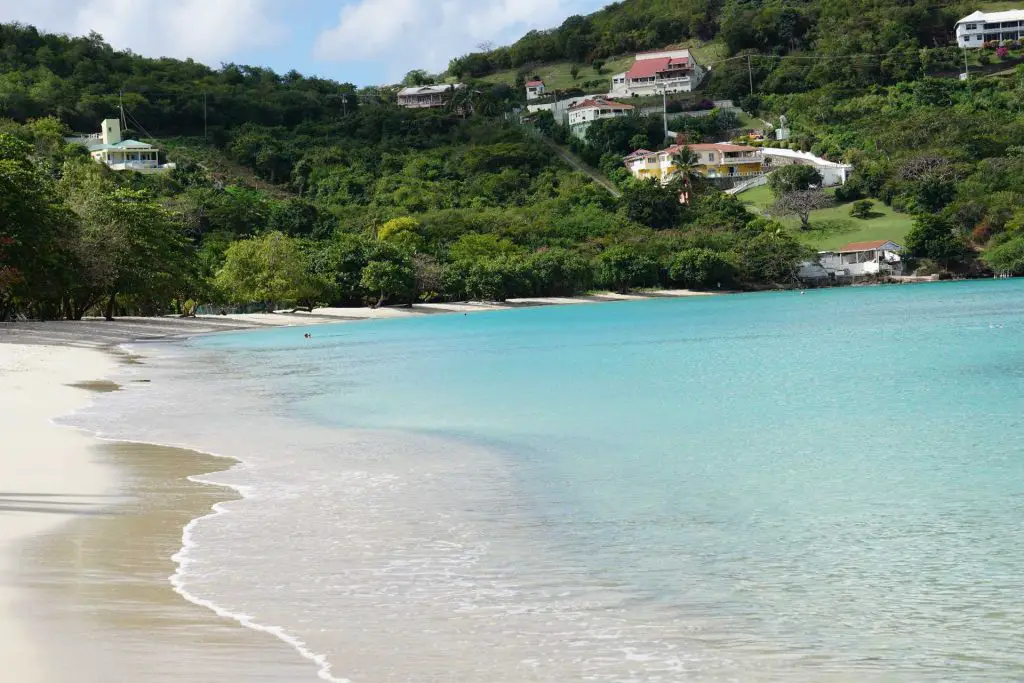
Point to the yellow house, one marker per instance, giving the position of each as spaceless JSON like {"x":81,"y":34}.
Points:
{"x":714,"y":160}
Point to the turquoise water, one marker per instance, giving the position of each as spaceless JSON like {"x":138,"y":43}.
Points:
{"x":782,"y":486}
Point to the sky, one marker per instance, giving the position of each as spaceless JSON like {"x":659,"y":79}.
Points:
{"x":365,"y":42}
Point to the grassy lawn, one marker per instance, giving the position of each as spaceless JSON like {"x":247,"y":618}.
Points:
{"x":885,"y":224}
{"x":748,"y":121}
{"x":556,"y":75}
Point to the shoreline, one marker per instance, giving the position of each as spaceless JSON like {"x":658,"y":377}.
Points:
{"x":97,"y":333}
{"x":95,"y":535}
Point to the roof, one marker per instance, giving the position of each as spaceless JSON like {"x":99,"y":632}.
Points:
{"x":124,"y":144}
{"x":1009,"y":15}
{"x":533,"y":84}
{"x":637,"y":154}
{"x":713,"y":147}
{"x":720,"y":147}
{"x":645,"y":68}
{"x":429,"y":89}
{"x":865,"y":246}
{"x":590,"y":103}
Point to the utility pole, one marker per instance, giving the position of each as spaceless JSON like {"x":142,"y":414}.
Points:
{"x":344,"y":104}
{"x":120,"y":106}
{"x":664,"y":109}
{"x":750,"y":75}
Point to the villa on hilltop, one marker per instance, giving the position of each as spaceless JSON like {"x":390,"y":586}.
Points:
{"x":979,"y":28}
{"x":654,"y":73}
{"x":427,"y":96}
{"x":714,"y":160}
{"x":588,"y":110}
{"x":108,"y":148}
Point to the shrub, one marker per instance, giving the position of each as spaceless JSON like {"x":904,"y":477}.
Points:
{"x":1002,"y":52}
{"x":861,"y":208}
{"x":700,"y":268}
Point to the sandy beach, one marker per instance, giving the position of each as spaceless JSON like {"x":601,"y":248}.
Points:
{"x":88,"y":530}
{"x":48,"y":473}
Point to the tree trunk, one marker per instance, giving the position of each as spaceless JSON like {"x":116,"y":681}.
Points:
{"x":380,"y":301}
{"x":109,"y":315}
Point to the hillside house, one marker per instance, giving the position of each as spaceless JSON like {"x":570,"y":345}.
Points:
{"x":860,"y":259}
{"x":979,"y":28}
{"x":427,"y":96}
{"x":591,"y":109}
{"x":108,"y":148}
{"x":653,"y":73}
{"x":714,"y":160}
{"x":534,"y":90}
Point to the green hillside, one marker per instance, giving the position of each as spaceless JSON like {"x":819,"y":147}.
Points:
{"x":834,"y":227}
{"x":297,"y":189}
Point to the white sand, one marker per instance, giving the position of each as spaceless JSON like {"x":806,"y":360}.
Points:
{"x":46,"y":472}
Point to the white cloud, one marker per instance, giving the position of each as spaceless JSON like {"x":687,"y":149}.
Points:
{"x":410,"y":34}
{"x":206,"y":30}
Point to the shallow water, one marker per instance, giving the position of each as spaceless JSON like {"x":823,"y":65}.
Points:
{"x":815,"y":487}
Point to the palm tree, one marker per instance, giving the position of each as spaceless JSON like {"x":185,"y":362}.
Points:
{"x":686,"y":163}
{"x":461,"y":100}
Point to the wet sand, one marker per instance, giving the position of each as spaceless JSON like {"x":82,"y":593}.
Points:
{"x":96,"y":594}
{"x":88,"y":530}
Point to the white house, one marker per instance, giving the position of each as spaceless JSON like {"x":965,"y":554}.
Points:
{"x":427,"y":96}
{"x":655,"y":72}
{"x":979,"y":28}
{"x":832,"y":172}
{"x":591,"y":109}
{"x":108,"y":148}
{"x":881,"y":257}
{"x":534,"y":89}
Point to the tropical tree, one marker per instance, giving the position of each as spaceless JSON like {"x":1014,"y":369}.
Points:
{"x":793,"y":178}
{"x":933,"y":237}
{"x":686,"y":164}
{"x":269,"y":269}
{"x":137,"y":250}
{"x":801,"y":203}
{"x":388,"y":279}
{"x":623,"y":268}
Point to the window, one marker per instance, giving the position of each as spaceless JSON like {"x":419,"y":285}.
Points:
{"x":971,"y":27}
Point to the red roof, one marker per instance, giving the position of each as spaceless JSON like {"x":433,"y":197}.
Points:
{"x":597,"y":102}
{"x":713,"y":147}
{"x":645,"y":68}
{"x":533,"y":84}
{"x":863,"y":246}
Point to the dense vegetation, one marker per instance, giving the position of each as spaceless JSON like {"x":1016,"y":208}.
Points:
{"x":893,"y":29}
{"x":304,"y":191}
{"x":366,"y":204}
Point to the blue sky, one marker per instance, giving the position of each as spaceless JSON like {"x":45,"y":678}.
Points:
{"x":362,"y":41}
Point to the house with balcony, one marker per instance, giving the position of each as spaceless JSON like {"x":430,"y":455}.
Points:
{"x":713,"y":160}
{"x":653,"y":73}
{"x":863,"y":259}
{"x":588,"y":110}
{"x":534,"y":90}
{"x":979,"y":28}
{"x":427,"y":96}
{"x":108,"y":148}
